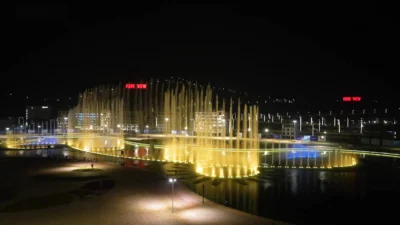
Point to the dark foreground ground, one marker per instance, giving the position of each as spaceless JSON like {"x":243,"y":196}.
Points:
{"x":39,"y":191}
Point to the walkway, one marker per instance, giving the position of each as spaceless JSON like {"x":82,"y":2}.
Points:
{"x":139,"y":197}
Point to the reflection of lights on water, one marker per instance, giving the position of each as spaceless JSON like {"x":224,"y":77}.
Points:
{"x":305,"y":154}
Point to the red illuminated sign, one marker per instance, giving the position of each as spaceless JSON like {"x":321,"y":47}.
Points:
{"x":136,"y":86}
{"x":347,"y":99}
{"x":352,"y":99}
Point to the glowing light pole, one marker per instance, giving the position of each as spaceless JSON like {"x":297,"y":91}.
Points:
{"x":294,"y":128}
{"x":325,"y":136}
{"x":319,"y":125}
{"x":166,"y":125}
{"x":23,"y":122}
{"x":172,"y":181}
{"x":66,"y":124}
{"x":361,"y":126}
{"x":300,"y":123}
{"x":312,"y":127}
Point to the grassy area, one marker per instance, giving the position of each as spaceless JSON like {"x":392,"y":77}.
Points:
{"x":50,"y":177}
{"x":7,"y":193}
{"x":88,"y":170}
{"x":39,"y":202}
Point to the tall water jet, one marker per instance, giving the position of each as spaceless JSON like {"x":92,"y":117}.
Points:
{"x":98,"y":119}
{"x":215,"y":152}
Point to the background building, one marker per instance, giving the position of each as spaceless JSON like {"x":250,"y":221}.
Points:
{"x":8,"y":125}
{"x":86,"y":121}
{"x":290,"y":129}
{"x":210,"y":122}
{"x":37,"y":113}
{"x":62,"y":121}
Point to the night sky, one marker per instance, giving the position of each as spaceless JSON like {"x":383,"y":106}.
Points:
{"x":315,"y":52}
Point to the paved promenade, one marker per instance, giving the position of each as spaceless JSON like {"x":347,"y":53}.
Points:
{"x":139,"y":197}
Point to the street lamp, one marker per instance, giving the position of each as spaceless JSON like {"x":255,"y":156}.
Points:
{"x":294,"y":129}
{"x":172,"y":181}
{"x":325,"y":135}
{"x":166,"y":126}
{"x":66,"y":124}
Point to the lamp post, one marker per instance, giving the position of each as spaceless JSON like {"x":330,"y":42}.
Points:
{"x":119,"y":128}
{"x":23,"y":120}
{"x":66,"y":124}
{"x":203,"y":193}
{"x":300,"y":124}
{"x":325,"y":135}
{"x":166,"y":125}
{"x":172,"y":181}
{"x":312,"y":128}
{"x":319,"y":125}
{"x":294,"y":129}
{"x":361,"y":126}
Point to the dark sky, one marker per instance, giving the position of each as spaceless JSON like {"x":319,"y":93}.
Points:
{"x":310,"y":51}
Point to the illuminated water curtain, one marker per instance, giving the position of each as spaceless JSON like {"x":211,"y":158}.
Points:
{"x":198,"y":126}
{"x":97,"y":117}
{"x":199,"y":130}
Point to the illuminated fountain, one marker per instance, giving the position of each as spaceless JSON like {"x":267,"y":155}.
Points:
{"x":212,"y":146}
{"x":95,"y":123}
{"x":193,"y":125}
{"x":307,"y":158}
